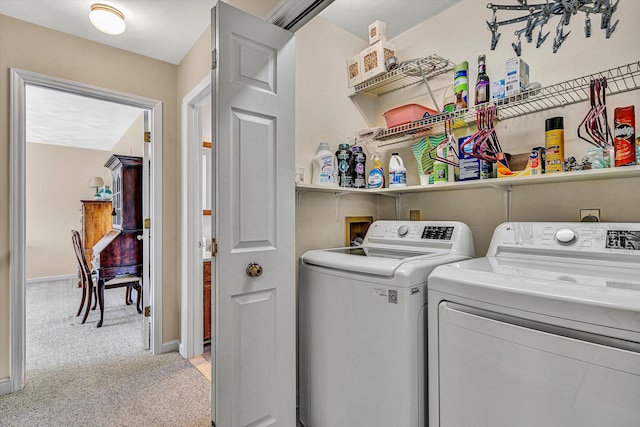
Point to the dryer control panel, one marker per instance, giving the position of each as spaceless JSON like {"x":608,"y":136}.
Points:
{"x":588,"y":239}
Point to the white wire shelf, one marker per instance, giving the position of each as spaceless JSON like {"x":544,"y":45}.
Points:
{"x":619,"y":79}
{"x":496,"y":183}
{"x":413,"y":72}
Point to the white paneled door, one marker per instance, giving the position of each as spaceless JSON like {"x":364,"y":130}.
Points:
{"x":254,"y":362}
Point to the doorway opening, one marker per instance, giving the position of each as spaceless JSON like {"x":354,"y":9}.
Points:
{"x":198,"y":223}
{"x":69,"y":139}
{"x":152,"y":275}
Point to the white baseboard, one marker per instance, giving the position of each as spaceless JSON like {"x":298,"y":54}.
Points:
{"x":168,"y":347}
{"x":52,"y":278}
{"x":182,"y":350}
{"x":5,"y":386}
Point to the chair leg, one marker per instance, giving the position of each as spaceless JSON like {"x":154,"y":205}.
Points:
{"x":139,"y":300}
{"x":127,"y":296}
{"x":95,"y":295}
{"x":84,"y":297}
{"x":91,"y":293}
{"x":101,"y":301}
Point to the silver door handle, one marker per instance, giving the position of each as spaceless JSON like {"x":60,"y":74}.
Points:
{"x":254,"y":270}
{"x":139,"y":237}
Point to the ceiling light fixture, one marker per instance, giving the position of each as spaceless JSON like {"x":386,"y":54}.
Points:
{"x":107,"y":19}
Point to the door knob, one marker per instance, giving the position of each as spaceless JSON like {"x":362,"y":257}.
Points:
{"x":254,"y":270}
{"x":139,"y":237}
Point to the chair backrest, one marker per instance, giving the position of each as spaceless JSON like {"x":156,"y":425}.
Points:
{"x":82,"y":260}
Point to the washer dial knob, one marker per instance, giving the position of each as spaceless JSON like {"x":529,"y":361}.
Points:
{"x":403,"y":230}
{"x":565,"y":236}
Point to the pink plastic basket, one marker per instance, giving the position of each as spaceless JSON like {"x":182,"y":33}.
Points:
{"x":406,"y":114}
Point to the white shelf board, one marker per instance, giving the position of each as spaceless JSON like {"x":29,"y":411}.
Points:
{"x":554,"y":178}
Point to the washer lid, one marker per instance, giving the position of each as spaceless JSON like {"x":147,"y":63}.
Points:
{"x":607,"y":295}
{"x":369,"y":260}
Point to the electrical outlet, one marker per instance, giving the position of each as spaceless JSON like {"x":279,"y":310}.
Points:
{"x":589,"y":215}
{"x":414,"y":215}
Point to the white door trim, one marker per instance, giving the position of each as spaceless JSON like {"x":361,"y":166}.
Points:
{"x":191,"y":341}
{"x":17,"y":217}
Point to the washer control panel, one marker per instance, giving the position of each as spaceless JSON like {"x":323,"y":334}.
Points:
{"x":451,"y":237}
{"x":415,"y":232}
{"x":412,"y":230}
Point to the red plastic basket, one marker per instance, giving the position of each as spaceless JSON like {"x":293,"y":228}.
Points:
{"x":406,"y":114}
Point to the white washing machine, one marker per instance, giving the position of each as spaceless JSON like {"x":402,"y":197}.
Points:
{"x":362,"y":324}
{"x":543,"y":331}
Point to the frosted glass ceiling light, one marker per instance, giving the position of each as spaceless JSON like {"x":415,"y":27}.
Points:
{"x":107,"y":19}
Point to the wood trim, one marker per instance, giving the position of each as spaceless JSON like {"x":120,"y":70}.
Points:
{"x":360,"y":222}
{"x":206,"y":144}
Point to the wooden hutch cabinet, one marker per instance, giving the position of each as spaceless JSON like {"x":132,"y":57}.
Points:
{"x":119,"y":252}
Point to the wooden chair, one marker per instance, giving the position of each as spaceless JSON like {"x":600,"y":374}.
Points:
{"x":93,"y":285}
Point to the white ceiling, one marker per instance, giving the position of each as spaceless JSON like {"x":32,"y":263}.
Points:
{"x":165,"y":30}
{"x":60,"y":118}
{"x":355,"y":16}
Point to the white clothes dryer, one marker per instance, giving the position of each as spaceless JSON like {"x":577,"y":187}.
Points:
{"x":543,"y":331}
{"x":362,"y":324}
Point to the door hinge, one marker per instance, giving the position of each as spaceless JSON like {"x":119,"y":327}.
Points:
{"x":147,"y":223}
{"x":147,"y":137}
{"x":147,"y":311}
{"x":214,"y":248}
{"x":214,"y":59}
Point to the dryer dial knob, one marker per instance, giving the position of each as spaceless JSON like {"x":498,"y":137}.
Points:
{"x":565,"y":236}
{"x":403,"y":230}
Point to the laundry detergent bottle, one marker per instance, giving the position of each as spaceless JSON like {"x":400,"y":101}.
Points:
{"x":324,"y":167}
{"x":359,"y":167}
{"x":376,"y":174}
{"x":344,"y":158}
{"x":397,"y":172}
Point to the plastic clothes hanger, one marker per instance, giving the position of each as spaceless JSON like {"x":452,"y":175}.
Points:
{"x":448,"y":146}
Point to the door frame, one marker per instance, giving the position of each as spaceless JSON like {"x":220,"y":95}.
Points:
{"x":19,"y":79}
{"x":192,"y":300}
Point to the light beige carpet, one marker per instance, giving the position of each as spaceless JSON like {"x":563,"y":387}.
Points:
{"x":80,"y":375}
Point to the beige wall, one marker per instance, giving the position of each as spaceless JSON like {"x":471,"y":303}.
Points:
{"x":56,"y":183}
{"x":131,"y":143}
{"x":324,"y":113}
{"x":34,"y":48}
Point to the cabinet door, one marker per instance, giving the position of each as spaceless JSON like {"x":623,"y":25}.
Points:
{"x":116,"y":177}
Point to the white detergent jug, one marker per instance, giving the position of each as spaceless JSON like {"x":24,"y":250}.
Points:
{"x":397,"y":172}
{"x":324,"y":167}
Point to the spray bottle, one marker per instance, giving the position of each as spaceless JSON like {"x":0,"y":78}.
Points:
{"x":376,"y":174}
